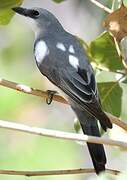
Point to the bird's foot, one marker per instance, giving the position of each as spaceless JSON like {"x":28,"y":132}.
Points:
{"x":50,"y":96}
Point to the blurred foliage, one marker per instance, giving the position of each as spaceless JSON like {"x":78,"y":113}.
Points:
{"x":77,"y":125}
{"x":5,"y":10}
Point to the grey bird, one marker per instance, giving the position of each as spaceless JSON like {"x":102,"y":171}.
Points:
{"x":62,"y":59}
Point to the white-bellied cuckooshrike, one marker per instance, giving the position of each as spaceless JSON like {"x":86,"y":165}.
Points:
{"x":62,"y":59}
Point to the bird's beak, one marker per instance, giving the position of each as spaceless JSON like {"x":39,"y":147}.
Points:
{"x":22,"y":11}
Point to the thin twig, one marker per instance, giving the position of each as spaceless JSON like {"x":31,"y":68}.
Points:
{"x":113,"y":4}
{"x":54,"y":172}
{"x":60,"y":134}
{"x":117,"y":47}
{"x":119,"y":3}
{"x":43,"y":94}
{"x":98,"y":4}
{"x":117,"y":121}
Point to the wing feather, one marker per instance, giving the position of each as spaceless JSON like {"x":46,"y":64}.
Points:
{"x":83,"y":94}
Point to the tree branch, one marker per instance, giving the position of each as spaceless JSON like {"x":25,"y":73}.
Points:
{"x":117,"y":121}
{"x":54,"y":172}
{"x":98,"y":4}
{"x":60,"y":134}
{"x":113,"y":4}
{"x":29,"y":90}
{"x":43,"y":94}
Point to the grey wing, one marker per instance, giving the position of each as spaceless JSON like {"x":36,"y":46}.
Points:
{"x":82,"y":90}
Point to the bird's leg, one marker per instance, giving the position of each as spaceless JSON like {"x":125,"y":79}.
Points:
{"x":49,"y":98}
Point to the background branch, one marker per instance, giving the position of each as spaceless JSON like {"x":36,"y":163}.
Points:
{"x":54,"y":172}
{"x":43,"y":94}
{"x":60,"y":134}
{"x":98,"y":4}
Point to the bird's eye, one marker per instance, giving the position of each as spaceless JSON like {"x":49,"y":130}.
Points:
{"x":35,"y":13}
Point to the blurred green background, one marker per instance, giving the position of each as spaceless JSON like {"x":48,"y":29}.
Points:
{"x":21,"y":151}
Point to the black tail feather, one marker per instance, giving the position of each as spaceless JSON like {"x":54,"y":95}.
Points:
{"x":90,"y":127}
{"x":96,"y":150}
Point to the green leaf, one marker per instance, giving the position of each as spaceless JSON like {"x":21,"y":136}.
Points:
{"x":5,"y":16}
{"x":5,"y":10}
{"x":77,"y":126}
{"x":103,"y":52}
{"x":58,"y":1}
{"x":111,"y":95}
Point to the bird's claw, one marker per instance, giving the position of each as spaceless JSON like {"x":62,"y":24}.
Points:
{"x":50,"y":96}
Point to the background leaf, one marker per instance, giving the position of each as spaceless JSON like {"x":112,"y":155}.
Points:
{"x":111,"y":94}
{"x":77,"y":125}
{"x":5,"y":10}
{"x":103,"y":52}
{"x":58,"y":1}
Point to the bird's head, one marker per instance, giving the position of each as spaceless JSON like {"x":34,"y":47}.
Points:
{"x":43,"y":19}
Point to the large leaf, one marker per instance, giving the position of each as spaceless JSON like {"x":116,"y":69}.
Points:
{"x":111,"y":95}
{"x":103,"y":52}
{"x":5,"y":10}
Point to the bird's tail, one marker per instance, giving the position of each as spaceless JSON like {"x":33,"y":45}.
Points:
{"x":90,"y":127}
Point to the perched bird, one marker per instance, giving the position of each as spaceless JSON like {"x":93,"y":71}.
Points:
{"x":62,"y":59}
